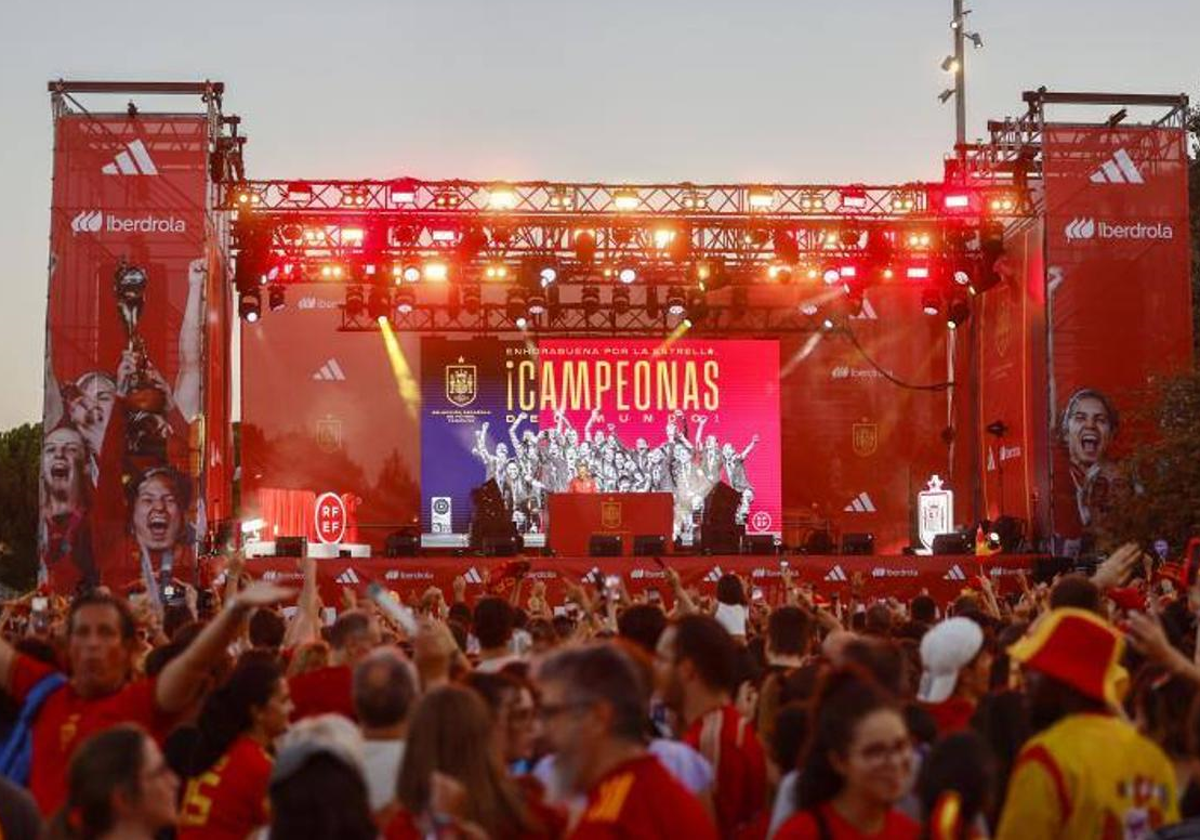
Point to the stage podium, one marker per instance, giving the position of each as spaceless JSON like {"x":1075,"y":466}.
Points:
{"x":576,"y":517}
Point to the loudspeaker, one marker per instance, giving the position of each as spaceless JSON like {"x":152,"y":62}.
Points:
{"x":954,"y":544}
{"x":758,"y":544}
{"x":290,"y":546}
{"x":649,"y":545}
{"x":861,"y":545}
{"x":404,"y":543}
{"x":604,"y":545}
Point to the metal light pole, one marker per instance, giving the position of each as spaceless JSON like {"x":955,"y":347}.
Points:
{"x":959,"y":25}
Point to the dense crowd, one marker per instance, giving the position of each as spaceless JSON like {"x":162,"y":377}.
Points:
{"x":1065,"y":710}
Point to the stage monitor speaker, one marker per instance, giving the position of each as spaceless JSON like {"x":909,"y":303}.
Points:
{"x":290,"y":546}
{"x":604,"y":545}
{"x":758,"y":544}
{"x":506,"y":546}
{"x":819,"y":542}
{"x":649,"y":545}
{"x":858,"y":545}
{"x":402,"y":543}
{"x":954,"y":544}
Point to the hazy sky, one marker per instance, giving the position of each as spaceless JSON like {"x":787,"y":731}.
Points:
{"x":764,"y":90}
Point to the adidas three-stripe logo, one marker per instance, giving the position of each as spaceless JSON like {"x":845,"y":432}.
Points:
{"x":837,"y":574}
{"x":714,"y":574}
{"x":861,"y":504}
{"x":473,"y":576}
{"x":1119,"y":169}
{"x":955,"y":573}
{"x":331,"y":371}
{"x":348,"y":576}
{"x":134,"y":160}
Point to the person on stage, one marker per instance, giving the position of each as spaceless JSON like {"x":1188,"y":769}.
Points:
{"x":583,"y":481}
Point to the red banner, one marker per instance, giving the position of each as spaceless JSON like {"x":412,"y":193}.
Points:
{"x":124,"y":401}
{"x":942,"y":577}
{"x":1118,"y":298}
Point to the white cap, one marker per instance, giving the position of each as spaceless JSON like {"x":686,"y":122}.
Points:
{"x":945,"y":650}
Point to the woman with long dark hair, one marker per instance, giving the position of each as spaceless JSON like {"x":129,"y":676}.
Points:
{"x":449,"y":776}
{"x":118,"y":785}
{"x":231,"y":766}
{"x":856,"y":766}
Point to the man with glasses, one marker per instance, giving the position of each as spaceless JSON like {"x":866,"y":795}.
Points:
{"x":594,"y":708}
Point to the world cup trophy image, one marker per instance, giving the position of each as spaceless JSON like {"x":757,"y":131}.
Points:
{"x":145,"y":398}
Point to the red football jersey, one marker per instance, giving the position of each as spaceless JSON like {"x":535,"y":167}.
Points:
{"x":66,"y":720}
{"x":229,"y":800}
{"x":730,"y":744}
{"x":321,"y":691}
{"x":639,"y":798}
{"x":803,"y":826}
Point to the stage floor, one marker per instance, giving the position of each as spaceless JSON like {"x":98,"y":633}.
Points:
{"x":903,"y":576}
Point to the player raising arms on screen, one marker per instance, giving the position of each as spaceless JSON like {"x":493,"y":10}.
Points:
{"x":493,"y":463}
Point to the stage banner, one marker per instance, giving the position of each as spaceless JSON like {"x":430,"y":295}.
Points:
{"x":639,"y":414}
{"x":326,"y":411}
{"x":1011,"y":366}
{"x":1118,"y":298}
{"x":123,"y":410}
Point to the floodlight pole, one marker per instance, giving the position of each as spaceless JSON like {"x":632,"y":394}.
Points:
{"x":959,"y":25}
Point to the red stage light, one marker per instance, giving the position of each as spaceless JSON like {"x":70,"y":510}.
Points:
{"x":919,"y":273}
{"x":299,"y":192}
{"x":403,"y":191}
{"x":436,"y":271}
{"x":443,"y":236}
{"x":354,"y":197}
{"x":931,"y":302}
{"x":854,"y":199}
{"x":496,"y":272}
{"x":585,"y":245}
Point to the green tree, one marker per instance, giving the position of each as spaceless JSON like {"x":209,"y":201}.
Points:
{"x":20,"y":456}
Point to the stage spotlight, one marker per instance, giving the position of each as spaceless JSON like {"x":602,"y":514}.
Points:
{"x":827,"y":324}
{"x":956,"y":200}
{"x":497,"y":271}
{"x":779,"y":273}
{"x":410,"y":273}
{"x":354,"y":197}
{"x":627,"y":275}
{"x":918,"y":240}
{"x":917,"y":273}
{"x":403,"y":191}
{"x":620,"y":300}
{"x":436,"y":271}
{"x":561,"y":199}
{"x":957,"y":313}
{"x":585,"y":245}
{"x":626,"y":200}
{"x":299,"y":192}
{"x":854,"y":198}
{"x":249,"y":306}
{"x":812,"y":202}
{"x":663,"y":237}
{"x":904,"y":202}
{"x":831,"y":276}
{"x":276,"y":299}
{"x":354,"y":301}
{"x":332,"y":271}
{"x":756,"y":236}
{"x":502,"y":197}
{"x":378,"y":303}
{"x":352,"y":236}
{"x":931,"y":302}
{"x":517,"y":304}
{"x":443,"y":236}
{"x":786,"y":248}
{"x":676,"y":305}
{"x":471,"y":299}
{"x":521,"y":322}
{"x":406,"y":301}
{"x":693,"y":201}
{"x":961,"y":277}
{"x":537,"y":302}
{"x":590,"y":300}
{"x":809,"y":308}
{"x":1003,"y":203}
{"x":447,"y":200}
{"x":547,"y":276}
{"x":761,"y":198}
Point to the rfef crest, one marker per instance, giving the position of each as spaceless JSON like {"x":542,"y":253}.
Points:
{"x":462,"y":383}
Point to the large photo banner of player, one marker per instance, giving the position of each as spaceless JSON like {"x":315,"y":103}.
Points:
{"x":123,"y":412}
{"x":625,"y":415}
{"x":1118,"y":298}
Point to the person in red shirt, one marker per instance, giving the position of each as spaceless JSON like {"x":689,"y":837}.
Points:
{"x":583,"y":481}
{"x":956,"y":669}
{"x":594,"y":708}
{"x":226,"y":796}
{"x":695,"y":666}
{"x":101,"y":644}
{"x":452,"y":777}
{"x":856,"y":767}
{"x":331,"y":689}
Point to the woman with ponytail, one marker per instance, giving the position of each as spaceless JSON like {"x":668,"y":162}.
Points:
{"x":856,"y":766}
{"x":226,"y":795}
{"x":118,"y":786}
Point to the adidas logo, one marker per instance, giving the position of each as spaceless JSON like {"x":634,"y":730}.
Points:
{"x":331,"y":371}
{"x":134,"y":160}
{"x":348,"y":576}
{"x":472,"y":576}
{"x":861,"y":504}
{"x":714,"y":574}
{"x":955,"y":573}
{"x":867,"y":313}
{"x":1119,"y":169}
{"x":837,"y":574}
{"x":270,"y":574}
{"x":89,"y":221}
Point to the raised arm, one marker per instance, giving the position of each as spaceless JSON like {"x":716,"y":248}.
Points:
{"x":512,"y":431}
{"x":182,"y":680}
{"x":591,"y":421}
{"x":749,"y":447}
{"x":700,"y":430}
{"x":187,"y":381}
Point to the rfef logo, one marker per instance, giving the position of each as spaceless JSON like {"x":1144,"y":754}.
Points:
{"x":329,"y":518}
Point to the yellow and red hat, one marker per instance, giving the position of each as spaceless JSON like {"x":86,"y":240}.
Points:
{"x":1077,"y":648}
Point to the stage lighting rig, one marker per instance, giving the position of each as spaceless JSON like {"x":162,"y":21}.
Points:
{"x":620,"y":300}
{"x":447,"y":200}
{"x":249,"y":306}
{"x":904,"y":202}
{"x":354,"y":197}
{"x":760,"y":199}
{"x":472,"y":299}
{"x":590,"y":300}
{"x":276,"y":299}
{"x":812,"y":202}
{"x":787,"y":250}
{"x":378,"y":303}
{"x":584,"y":241}
{"x":692,"y":200}
{"x":402,"y":191}
{"x":626,"y":201}
{"x":537,"y":302}
{"x":299,"y":192}
{"x":957,"y":312}
{"x":931,"y":302}
{"x":547,"y":276}
{"x":502,"y":197}
{"x":676,"y":304}
{"x":332,"y":271}
{"x":561,"y":199}
{"x":496,"y":271}
{"x":436,"y":271}
{"x":627,"y":275}
{"x":854,"y":198}
{"x":517,"y":304}
{"x":354,"y":301}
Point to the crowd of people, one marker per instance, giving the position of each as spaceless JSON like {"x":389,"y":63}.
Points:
{"x":1065,"y":710}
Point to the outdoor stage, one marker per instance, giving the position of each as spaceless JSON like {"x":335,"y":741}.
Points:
{"x":943,"y":577}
